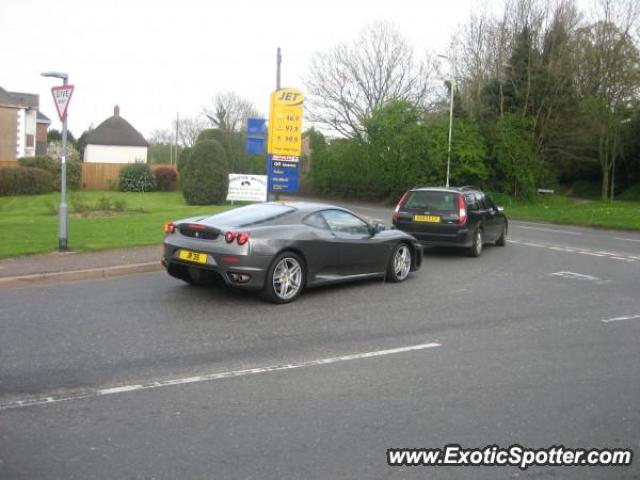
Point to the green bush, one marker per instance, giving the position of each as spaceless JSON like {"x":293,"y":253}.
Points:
{"x":183,"y":158}
{"x":166,"y":179}
{"x":205,"y":177}
{"x":104,"y":203}
{"x":25,"y":181}
{"x":74,"y":169}
{"x":137,"y":177}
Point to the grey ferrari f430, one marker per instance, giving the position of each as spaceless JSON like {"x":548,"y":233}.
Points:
{"x":280,"y":248}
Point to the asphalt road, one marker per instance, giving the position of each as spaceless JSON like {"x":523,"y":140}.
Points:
{"x":143,"y":377}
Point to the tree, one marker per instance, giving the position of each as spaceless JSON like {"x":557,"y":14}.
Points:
{"x":188,"y":130}
{"x":162,"y":136}
{"x":346,"y":84}
{"x":608,"y":80}
{"x":205,"y":176}
{"x":229,"y":112}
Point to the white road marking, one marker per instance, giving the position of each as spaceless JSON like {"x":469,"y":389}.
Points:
{"x":580,"y":276}
{"x":100,"y":392}
{"x":566,"y":232}
{"x":581,"y":251}
{"x":621,"y":319}
{"x":627,"y":239}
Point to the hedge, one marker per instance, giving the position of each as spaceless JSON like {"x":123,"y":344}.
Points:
{"x":25,"y":181}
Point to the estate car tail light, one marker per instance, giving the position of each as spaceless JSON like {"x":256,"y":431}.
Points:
{"x":230,"y":236}
{"x":462,"y":210}
{"x":396,"y":212}
{"x":169,"y":227}
{"x":243,"y":238}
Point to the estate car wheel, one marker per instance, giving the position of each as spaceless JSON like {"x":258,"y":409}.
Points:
{"x":502,"y":240}
{"x":285,"y":278}
{"x":399,"y":263}
{"x":476,"y":247}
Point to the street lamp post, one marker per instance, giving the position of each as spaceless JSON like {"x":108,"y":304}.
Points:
{"x":62,"y":211}
{"x":450,"y":115}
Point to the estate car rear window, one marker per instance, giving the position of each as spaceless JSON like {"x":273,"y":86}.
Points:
{"x":251,"y":215}
{"x":432,"y":201}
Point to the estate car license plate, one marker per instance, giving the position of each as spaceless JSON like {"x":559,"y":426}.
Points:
{"x":427,"y":218}
{"x":190,"y":256}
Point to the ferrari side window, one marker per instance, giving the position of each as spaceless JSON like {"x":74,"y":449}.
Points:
{"x":317,"y":221}
{"x":344,"y":222}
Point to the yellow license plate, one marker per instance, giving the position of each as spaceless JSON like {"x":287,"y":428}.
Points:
{"x":190,"y":256}
{"x":427,"y":218}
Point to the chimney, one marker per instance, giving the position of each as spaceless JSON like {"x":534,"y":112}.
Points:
{"x":116,"y":111}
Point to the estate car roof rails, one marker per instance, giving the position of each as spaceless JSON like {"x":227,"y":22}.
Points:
{"x":427,"y":186}
{"x":469,"y":187}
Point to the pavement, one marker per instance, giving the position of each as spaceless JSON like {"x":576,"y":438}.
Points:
{"x":142,"y":376}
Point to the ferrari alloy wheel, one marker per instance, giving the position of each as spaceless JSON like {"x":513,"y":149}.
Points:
{"x":285,"y":279}
{"x":400,"y":263}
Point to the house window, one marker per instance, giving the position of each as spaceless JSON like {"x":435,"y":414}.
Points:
{"x":30,"y":140}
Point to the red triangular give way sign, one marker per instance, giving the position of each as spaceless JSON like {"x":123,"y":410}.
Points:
{"x":61,"y":97}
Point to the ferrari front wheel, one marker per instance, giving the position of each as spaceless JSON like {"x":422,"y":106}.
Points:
{"x":399,"y":263}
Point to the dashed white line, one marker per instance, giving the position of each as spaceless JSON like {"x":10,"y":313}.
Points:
{"x":620,"y":319}
{"x":593,"y":253}
{"x":566,"y":232}
{"x":580,"y":276}
{"x":627,"y":239}
{"x":62,"y":396}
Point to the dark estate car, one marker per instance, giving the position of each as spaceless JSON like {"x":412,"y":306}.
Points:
{"x":281,"y":248}
{"x":456,"y":216}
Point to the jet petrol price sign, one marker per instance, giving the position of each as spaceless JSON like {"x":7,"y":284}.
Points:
{"x":285,"y":122}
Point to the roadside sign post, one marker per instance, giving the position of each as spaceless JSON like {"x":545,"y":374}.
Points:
{"x":61,"y":97}
{"x":284,"y":140}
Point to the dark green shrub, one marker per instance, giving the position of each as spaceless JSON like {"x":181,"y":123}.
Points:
{"x":166,"y":179}
{"x":205,"y":177}
{"x":183,"y":158}
{"x":25,"y":181}
{"x":74,"y":169}
{"x":137,"y":177}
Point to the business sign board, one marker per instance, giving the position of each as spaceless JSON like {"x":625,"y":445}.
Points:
{"x":284,"y":173}
{"x":285,"y":122}
{"x":247,"y":188}
{"x":256,"y":133}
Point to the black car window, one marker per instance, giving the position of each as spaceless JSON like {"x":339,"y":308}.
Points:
{"x":481,"y":203}
{"x":472,"y":202}
{"x":432,"y":201}
{"x":251,"y":215}
{"x":489,"y":202}
{"x":316,"y":220}
{"x":345,"y":222}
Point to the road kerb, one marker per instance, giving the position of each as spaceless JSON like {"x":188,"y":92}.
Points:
{"x":75,"y":275}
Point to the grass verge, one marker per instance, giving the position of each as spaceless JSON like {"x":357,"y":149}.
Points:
{"x":624,"y":215}
{"x":29,"y":224}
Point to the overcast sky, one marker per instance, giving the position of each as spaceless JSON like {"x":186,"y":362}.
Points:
{"x":156,"y":58}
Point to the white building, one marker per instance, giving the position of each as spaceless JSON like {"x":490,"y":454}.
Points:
{"x":115,"y":141}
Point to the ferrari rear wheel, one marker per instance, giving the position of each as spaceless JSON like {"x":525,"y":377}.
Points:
{"x":285,"y":278}
{"x":399,"y":263}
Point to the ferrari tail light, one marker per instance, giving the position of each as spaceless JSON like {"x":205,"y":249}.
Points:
{"x":396,"y":212}
{"x":462,"y":210}
{"x":230,"y":236}
{"x":169,"y":228}
{"x":243,"y":238}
